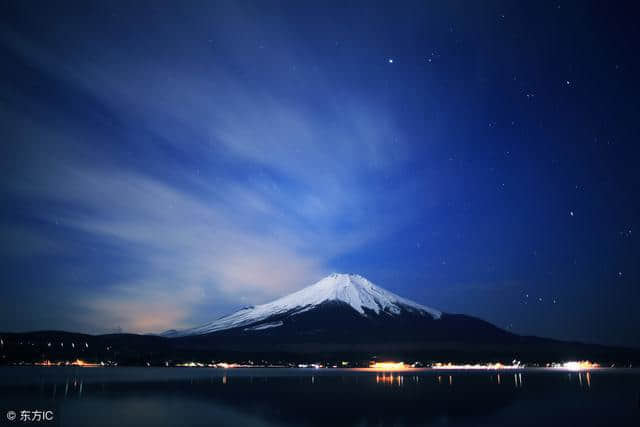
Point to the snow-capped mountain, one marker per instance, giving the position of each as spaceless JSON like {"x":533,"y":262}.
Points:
{"x":341,"y":317}
{"x":346,"y":290}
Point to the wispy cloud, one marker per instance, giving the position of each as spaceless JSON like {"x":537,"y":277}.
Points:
{"x":216,"y":191}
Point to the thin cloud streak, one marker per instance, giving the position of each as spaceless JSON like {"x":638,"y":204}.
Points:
{"x":264,"y":215}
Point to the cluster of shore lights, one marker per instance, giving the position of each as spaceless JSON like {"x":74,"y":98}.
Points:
{"x":399,"y":366}
{"x":389,"y":366}
{"x":580,"y":365}
{"x":77,"y":362}
{"x":489,"y":366}
{"x":222,"y":365}
{"x":82,"y":363}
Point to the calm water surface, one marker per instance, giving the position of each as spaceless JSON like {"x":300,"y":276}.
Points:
{"x":143,"y":397}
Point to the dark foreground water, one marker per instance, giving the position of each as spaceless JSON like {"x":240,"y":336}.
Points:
{"x":141,"y":397}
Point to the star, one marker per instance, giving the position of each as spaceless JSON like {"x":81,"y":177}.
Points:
{"x":571,"y":213}
{"x":390,"y":60}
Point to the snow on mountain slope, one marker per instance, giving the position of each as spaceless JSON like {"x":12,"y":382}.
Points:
{"x":351,"y":289}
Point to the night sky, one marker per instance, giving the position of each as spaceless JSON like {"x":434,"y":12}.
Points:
{"x":165,"y":163}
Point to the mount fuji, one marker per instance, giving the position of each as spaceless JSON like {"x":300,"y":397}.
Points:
{"x":337,"y":311}
{"x":345,"y":290}
{"x":341,"y":317}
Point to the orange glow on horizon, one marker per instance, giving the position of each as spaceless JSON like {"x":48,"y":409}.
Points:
{"x":79,"y":362}
{"x":388,"y":366}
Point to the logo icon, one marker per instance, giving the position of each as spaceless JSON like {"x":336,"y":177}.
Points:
{"x":11,"y":415}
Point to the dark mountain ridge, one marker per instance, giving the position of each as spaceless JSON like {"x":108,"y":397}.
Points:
{"x":342,"y":317}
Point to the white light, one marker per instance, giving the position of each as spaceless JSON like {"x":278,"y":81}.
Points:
{"x":579,"y":365}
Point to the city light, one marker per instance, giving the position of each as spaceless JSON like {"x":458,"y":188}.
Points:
{"x":578,"y":365}
{"x":388,"y":366}
{"x":486,"y":366}
{"x":79,"y":362}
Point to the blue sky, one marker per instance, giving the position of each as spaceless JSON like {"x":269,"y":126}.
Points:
{"x":165,"y":164}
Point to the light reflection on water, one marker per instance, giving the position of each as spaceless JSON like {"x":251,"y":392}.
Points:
{"x":517,"y":380}
{"x":580,"y":378}
{"x":390,"y":379}
{"x":270,"y":397}
{"x":73,"y":386}
{"x":76,"y":383}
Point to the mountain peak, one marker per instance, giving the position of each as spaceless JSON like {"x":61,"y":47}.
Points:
{"x":360,"y":294}
{"x":351,"y":289}
{"x":337,"y":280}
{"x":338,"y":275}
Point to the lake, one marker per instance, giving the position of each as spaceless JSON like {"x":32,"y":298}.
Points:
{"x":143,"y":397}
